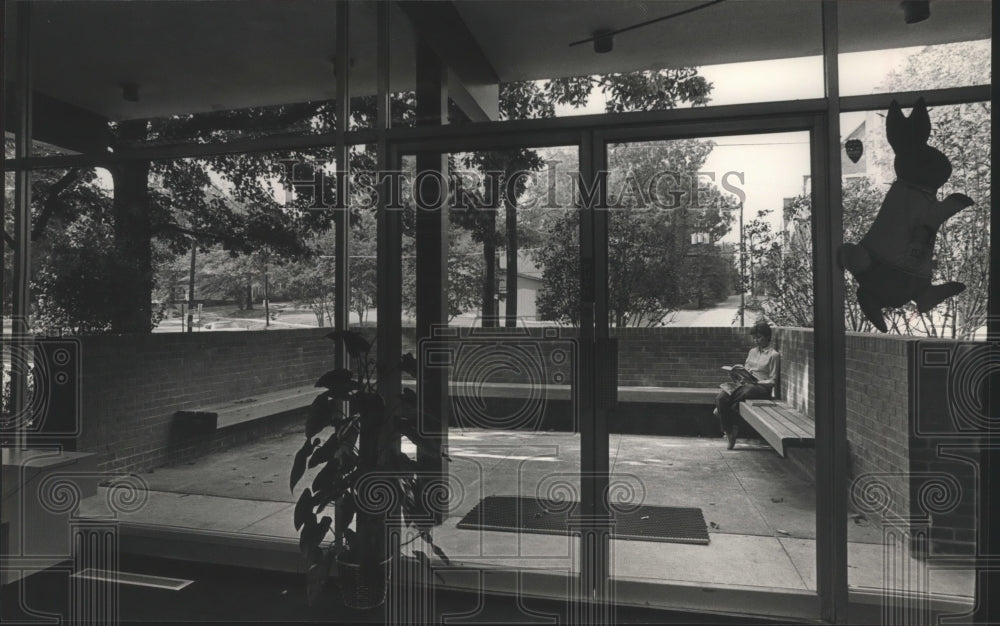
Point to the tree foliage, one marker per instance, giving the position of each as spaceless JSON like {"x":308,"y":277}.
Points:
{"x":783,"y":261}
{"x":656,"y":202}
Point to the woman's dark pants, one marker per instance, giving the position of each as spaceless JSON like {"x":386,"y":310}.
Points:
{"x":728,"y":405}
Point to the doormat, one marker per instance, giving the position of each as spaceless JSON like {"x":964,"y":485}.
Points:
{"x":668,"y":524}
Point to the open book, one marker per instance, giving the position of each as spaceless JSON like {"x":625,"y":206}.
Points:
{"x":740,"y":374}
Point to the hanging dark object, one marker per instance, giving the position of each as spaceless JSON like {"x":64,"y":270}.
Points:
{"x":854,"y":149}
{"x":603,"y":39}
{"x":893,"y":262}
{"x":915,"y":10}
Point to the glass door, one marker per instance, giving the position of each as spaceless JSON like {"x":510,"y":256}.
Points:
{"x":510,"y":348}
{"x":708,"y":231}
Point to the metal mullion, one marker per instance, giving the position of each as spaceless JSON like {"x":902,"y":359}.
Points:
{"x":22,"y":221}
{"x":828,"y":338}
{"x":933,"y":97}
{"x":497,"y":135}
{"x":389,"y":232}
{"x":590,"y":568}
{"x":715,"y":128}
{"x":341,"y":285}
{"x":601,"y":462}
{"x":603,"y":121}
{"x":485,"y":141}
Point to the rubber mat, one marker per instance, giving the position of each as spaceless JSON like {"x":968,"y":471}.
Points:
{"x":639,"y":523}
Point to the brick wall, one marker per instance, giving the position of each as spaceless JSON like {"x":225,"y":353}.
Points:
{"x":132,"y":385}
{"x":678,"y":357}
{"x":951,"y":409}
{"x":900,"y":410}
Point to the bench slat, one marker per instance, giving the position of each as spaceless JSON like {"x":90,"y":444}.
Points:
{"x":797,"y":420}
{"x":224,"y":414}
{"x":779,"y":424}
{"x":789,"y":421}
{"x":776,"y":426}
{"x":253,"y":408}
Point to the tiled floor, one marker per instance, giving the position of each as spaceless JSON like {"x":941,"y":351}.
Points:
{"x":759,"y":509}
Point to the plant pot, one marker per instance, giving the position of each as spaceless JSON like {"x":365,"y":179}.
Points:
{"x":359,"y":591}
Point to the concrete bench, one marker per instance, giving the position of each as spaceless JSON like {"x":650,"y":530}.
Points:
{"x":226,"y":414}
{"x":221,"y":415}
{"x":779,"y":424}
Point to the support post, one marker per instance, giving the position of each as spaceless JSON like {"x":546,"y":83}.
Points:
{"x":133,"y":233}
{"x":389,"y":238}
{"x":828,"y":286}
{"x":341,"y":281}
{"x":595,"y":544}
{"x":431,"y":192}
{"x":22,"y":228}
{"x":987,"y":538}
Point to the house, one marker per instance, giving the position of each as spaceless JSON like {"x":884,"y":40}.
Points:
{"x":529,"y":283}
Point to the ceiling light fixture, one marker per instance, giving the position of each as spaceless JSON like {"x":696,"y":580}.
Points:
{"x":915,"y":10}
{"x":604,"y":41}
{"x":607,"y":34}
{"x":130,"y":92}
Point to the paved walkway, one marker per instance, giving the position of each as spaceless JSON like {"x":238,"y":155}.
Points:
{"x":759,"y":509}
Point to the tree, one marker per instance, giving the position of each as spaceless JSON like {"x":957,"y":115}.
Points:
{"x":656,"y":202}
{"x":628,"y":91}
{"x":228,"y":200}
{"x":961,"y":132}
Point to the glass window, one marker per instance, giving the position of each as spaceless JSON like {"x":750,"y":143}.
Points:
{"x":881,"y":52}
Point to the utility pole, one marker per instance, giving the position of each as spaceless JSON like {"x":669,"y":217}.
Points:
{"x":743,"y":272}
{"x":267,"y":304}
{"x":190,"y":317}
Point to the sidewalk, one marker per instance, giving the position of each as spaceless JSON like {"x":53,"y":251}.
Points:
{"x":760,"y":511}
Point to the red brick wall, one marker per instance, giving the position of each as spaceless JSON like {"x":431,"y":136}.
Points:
{"x":950,"y":407}
{"x":678,"y":357}
{"x":132,"y":385}
{"x":899,"y":413}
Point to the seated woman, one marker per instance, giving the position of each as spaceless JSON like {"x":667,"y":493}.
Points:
{"x":764,"y":363}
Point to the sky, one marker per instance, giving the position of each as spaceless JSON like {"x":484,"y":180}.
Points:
{"x":774,"y":165}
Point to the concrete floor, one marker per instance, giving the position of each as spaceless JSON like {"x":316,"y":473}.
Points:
{"x":759,"y":508}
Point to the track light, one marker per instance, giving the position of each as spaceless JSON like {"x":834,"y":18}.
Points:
{"x":915,"y":10}
{"x":603,"y":41}
{"x":130,"y":92}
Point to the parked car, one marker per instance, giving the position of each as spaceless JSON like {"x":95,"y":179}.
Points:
{"x":222,"y":325}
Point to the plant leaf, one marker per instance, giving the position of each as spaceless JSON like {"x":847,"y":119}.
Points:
{"x":299,"y":464}
{"x":320,"y":414}
{"x":303,"y":509}
{"x":340,"y":383}
{"x":408,"y":364}
{"x":326,"y":479}
{"x":356,"y":344}
{"x":324,"y":454}
{"x":437,"y":549}
{"x":312,"y":535}
{"x":344,"y":512}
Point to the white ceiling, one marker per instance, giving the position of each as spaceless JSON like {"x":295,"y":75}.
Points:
{"x":190,"y":56}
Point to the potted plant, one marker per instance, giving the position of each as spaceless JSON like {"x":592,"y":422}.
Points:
{"x":363,"y":474}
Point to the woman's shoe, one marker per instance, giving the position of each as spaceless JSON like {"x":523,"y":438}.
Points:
{"x":731,"y":437}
